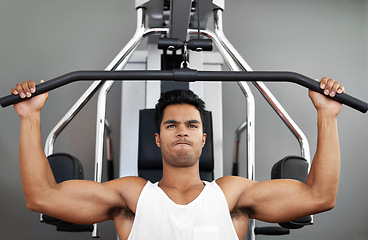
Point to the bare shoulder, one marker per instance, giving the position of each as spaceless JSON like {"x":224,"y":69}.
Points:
{"x":234,"y":183}
{"x":131,"y":185}
{"x":234,"y":188}
{"x":129,"y":188}
{"x":129,"y":181}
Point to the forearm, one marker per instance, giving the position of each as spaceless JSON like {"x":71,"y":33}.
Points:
{"x":36,"y":174}
{"x":325,"y":170}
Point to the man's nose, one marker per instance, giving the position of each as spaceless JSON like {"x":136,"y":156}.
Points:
{"x":182,"y":132}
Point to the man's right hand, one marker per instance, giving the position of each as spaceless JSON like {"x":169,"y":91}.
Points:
{"x":31,"y":106}
{"x":324,"y":104}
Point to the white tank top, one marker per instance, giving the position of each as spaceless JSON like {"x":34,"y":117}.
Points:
{"x":157,"y":217}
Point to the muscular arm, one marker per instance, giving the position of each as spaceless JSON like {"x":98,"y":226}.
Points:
{"x":284,"y":200}
{"x":76,"y":201}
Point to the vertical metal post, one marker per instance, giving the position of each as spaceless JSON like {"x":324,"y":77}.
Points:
{"x":179,"y":18}
{"x":88,"y":94}
{"x":250,"y":117}
{"x":118,"y":63}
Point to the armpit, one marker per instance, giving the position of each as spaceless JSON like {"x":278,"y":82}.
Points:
{"x":240,"y":212}
{"x":126,"y":213}
{"x":240,"y":218}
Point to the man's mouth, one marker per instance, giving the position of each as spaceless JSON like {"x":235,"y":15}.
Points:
{"x":182,"y":141}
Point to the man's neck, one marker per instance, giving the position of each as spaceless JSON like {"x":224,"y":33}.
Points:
{"x":181,"y":179}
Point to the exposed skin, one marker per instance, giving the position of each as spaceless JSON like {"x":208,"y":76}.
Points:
{"x":181,"y":140}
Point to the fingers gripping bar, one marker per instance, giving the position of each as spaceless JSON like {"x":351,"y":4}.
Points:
{"x":186,"y":75}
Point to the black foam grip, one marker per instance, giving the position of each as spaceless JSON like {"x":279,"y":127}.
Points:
{"x":88,"y":76}
{"x":200,"y":44}
{"x":40,"y":88}
{"x":173,"y":43}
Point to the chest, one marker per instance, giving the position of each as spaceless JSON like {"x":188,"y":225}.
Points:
{"x":124,"y":224}
{"x":181,"y":197}
{"x":173,"y":215}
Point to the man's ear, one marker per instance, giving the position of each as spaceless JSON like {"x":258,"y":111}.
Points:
{"x":157,"y":137}
{"x":204,"y":139}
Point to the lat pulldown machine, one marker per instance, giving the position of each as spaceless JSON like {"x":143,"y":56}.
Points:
{"x":182,"y":26}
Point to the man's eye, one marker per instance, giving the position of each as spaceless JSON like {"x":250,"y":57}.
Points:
{"x":170,"y":126}
{"x":192,"y":126}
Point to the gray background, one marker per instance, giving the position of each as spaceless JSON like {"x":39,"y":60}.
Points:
{"x":44,"y":39}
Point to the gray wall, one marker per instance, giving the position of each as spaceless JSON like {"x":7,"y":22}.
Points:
{"x":315,"y":38}
{"x":44,"y":39}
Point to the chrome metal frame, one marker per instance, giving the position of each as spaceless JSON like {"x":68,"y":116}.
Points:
{"x":261,"y":87}
{"x":125,"y":53}
{"x":233,"y":60}
{"x":116,"y":64}
{"x":266,"y":93}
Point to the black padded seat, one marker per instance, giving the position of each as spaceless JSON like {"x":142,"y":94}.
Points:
{"x":65,"y":167}
{"x":292,"y":167}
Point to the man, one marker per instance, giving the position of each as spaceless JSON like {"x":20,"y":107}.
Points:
{"x":180,"y":206}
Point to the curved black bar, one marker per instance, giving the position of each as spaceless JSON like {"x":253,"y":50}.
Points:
{"x":88,"y":76}
{"x":187,"y":75}
{"x":282,"y":77}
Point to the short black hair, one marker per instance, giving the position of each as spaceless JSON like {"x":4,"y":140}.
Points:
{"x":178,"y":96}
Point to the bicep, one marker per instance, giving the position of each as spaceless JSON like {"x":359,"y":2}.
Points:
{"x":81,"y":201}
{"x":279,"y":200}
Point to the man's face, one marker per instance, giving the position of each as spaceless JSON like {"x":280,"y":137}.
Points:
{"x":181,"y":137}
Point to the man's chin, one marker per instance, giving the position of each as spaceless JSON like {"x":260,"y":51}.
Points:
{"x":184,"y":160}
